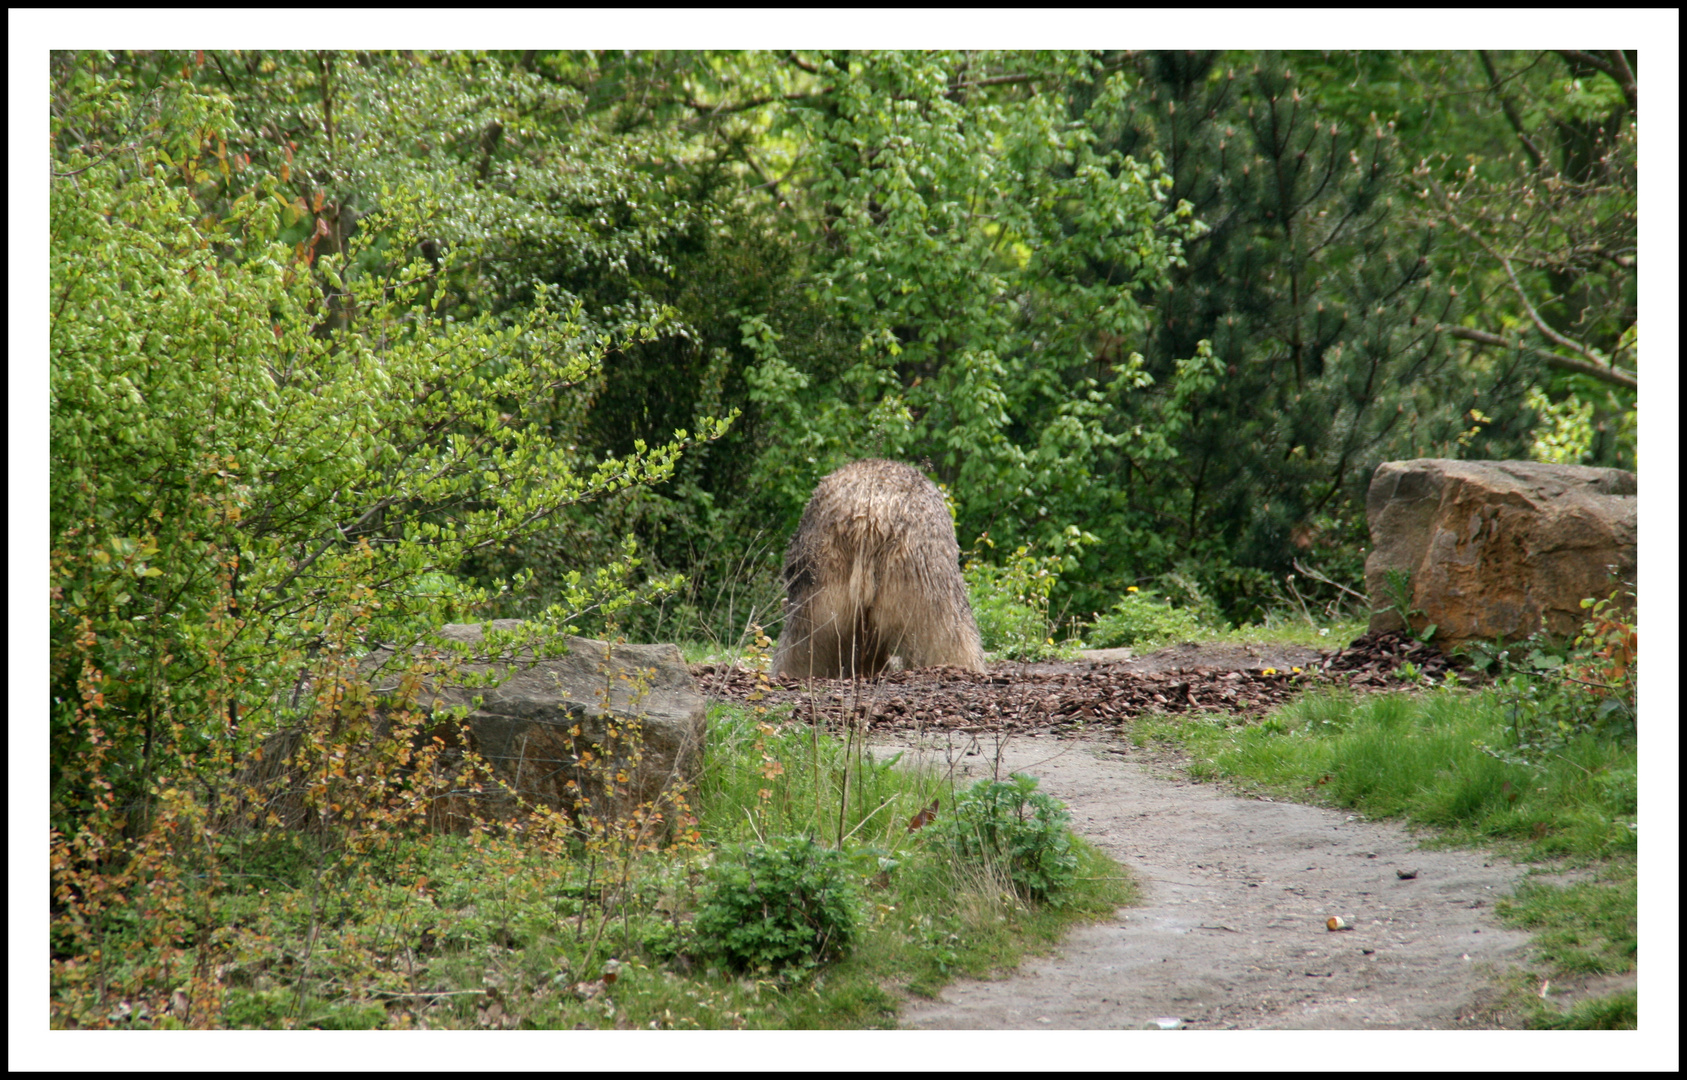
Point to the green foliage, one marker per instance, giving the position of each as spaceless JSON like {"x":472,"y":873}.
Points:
{"x":792,"y":780}
{"x":1319,"y":305}
{"x":1277,"y":629}
{"x":1615,"y":1013}
{"x":347,"y":345}
{"x":1619,"y":1012}
{"x":515,"y":928}
{"x":1008,"y":823}
{"x":230,"y":481}
{"x":1011,"y":601}
{"x":274,"y":443}
{"x":774,"y":906}
{"x":1144,"y":619}
{"x":1183,"y":299}
{"x":764,"y":775}
{"x":956,"y":246}
{"x":1424,"y":758}
{"x":949,"y":204}
{"x":1526,"y":161}
{"x":1564,"y":435}
{"x":1398,"y":582}
{"x":1558,"y":692}
{"x":1585,"y":928}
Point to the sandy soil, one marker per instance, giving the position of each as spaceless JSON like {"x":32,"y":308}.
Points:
{"x":1232,"y":929}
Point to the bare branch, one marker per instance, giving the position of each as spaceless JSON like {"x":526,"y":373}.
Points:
{"x":753,"y":103}
{"x":996,"y":80}
{"x":1558,"y":360}
{"x":1625,"y":77}
{"x":756,"y":103}
{"x":1510,"y":111}
{"x":1316,"y":576}
{"x":1591,"y":362}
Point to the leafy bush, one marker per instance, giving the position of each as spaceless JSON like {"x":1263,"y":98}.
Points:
{"x":1011,"y":601}
{"x":1009,"y":626}
{"x":1142,"y":618}
{"x":273,"y":441}
{"x":786,"y":903}
{"x":1557,"y":692}
{"x":1009,"y":823}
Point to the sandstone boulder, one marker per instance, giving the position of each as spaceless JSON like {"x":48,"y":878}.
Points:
{"x":636,"y":709}
{"x":1497,"y":549}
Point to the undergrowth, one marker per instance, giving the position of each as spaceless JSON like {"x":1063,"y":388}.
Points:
{"x":544,"y":923}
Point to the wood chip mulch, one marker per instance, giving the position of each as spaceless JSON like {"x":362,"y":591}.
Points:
{"x":1375,"y":660}
{"x":1012,"y":699}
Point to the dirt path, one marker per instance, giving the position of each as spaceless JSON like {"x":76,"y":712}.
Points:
{"x":1232,"y":929}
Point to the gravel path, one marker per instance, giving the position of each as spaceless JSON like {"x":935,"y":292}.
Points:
{"x":1232,"y":929}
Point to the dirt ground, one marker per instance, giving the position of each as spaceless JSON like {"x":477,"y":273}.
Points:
{"x":1232,"y":930}
{"x":1192,"y":656}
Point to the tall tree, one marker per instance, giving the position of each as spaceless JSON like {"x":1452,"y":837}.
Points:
{"x":1324,"y":311}
{"x":1526,"y":163}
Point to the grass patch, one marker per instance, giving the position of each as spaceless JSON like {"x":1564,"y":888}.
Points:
{"x":1424,"y":758}
{"x":1419,"y":757}
{"x":1613,"y":1013}
{"x":1147,"y":634}
{"x":1586,"y":928}
{"x":540,"y":927}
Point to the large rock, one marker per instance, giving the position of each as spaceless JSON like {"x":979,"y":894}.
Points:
{"x":636,"y":709}
{"x":1497,"y":549}
{"x":523,"y":727}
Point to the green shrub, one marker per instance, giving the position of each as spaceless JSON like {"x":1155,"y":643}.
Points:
{"x":1011,"y":601}
{"x":1555,"y":692}
{"x":1008,"y":626}
{"x":1142,"y":618}
{"x":786,"y":903}
{"x":1010,"y":824}
{"x":1011,"y":605}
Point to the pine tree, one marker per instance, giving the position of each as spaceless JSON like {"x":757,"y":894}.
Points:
{"x":1322,"y":313}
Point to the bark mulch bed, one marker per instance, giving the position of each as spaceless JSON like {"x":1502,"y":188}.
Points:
{"x":1374,"y":660}
{"x":1018,"y":698}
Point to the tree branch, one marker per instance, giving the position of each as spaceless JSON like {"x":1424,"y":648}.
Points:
{"x":1615,"y":66}
{"x":1510,"y":111}
{"x":1316,"y":576}
{"x":1557,"y":360}
{"x":339,"y":534}
{"x":754,"y":103}
{"x":489,"y":140}
{"x":996,"y":80}
{"x":1591,"y":363}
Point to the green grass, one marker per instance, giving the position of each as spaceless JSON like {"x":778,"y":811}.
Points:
{"x":1275,"y":630}
{"x":395,"y":929}
{"x":802,"y":772}
{"x":1418,"y":757}
{"x":1586,"y":928}
{"x":1421,"y":757}
{"x":1616,"y":1012}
